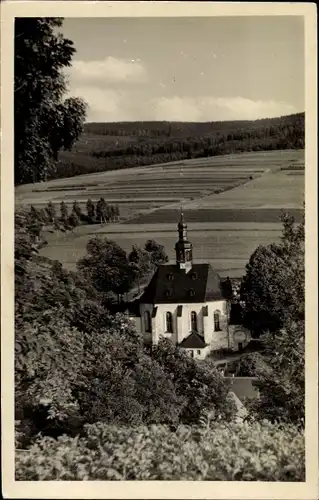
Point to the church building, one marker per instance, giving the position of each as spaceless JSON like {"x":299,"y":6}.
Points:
{"x":188,"y":303}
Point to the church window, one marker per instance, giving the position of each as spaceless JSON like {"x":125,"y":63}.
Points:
{"x":148,"y":322}
{"x":168,"y":293}
{"x":170,"y":277}
{"x":198,"y":351}
{"x":194,"y":276}
{"x":191,"y":292}
{"x":193,"y":321}
{"x":169,"y":322}
{"x":217,"y":321}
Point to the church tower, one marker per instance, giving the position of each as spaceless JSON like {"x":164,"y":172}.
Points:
{"x":183,"y":247}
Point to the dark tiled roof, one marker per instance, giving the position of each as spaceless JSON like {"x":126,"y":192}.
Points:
{"x":193,"y":341}
{"x":173,"y":285}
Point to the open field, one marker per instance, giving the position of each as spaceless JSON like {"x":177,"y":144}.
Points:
{"x":228,"y":213}
{"x":226,"y":246}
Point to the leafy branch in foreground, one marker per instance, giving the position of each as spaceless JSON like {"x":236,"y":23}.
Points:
{"x":44,"y":122}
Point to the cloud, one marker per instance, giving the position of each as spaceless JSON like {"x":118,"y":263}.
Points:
{"x":103,"y":105}
{"x":116,"y":104}
{"x":107,"y":71}
{"x":217,"y":108}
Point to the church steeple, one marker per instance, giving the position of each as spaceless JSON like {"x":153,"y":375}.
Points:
{"x":183,"y":247}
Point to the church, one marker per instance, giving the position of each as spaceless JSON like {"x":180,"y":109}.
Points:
{"x":188,"y":303}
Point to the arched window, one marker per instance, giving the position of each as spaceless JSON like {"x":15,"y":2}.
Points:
{"x":148,"y":322}
{"x":217,"y":321}
{"x":193,"y":321}
{"x":169,"y":322}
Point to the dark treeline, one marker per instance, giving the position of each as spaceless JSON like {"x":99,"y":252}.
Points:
{"x":188,"y":129}
{"x":160,"y":142}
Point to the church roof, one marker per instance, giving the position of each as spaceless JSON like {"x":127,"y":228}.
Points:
{"x":193,"y":341}
{"x":170,"y":284}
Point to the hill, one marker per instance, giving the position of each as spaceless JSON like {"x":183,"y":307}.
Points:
{"x":118,"y":145}
{"x":188,"y":129}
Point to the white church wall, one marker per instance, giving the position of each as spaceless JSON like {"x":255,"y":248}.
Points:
{"x":181,"y":325}
{"x":232,"y":337}
{"x":212,"y":337}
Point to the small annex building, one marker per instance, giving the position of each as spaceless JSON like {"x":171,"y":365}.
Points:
{"x":188,"y":303}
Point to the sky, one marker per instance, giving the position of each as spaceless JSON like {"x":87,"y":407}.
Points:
{"x":187,"y":69}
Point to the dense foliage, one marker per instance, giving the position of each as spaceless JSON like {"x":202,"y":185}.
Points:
{"x":274,"y":283}
{"x":107,"y":267}
{"x":218,"y":452}
{"x":44,"y":122}
{"x":77,"y":363}
{"x":280,"y":375}
{"x":110,"y":146}
{"x":273,"y":293}
{"x":111,"y":271}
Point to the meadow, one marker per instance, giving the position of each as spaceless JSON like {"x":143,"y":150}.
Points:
{"x":232,"y":204}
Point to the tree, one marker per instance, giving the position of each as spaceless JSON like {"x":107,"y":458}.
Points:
{"x":201,"y":387}
{"x":26,"y":232}
{"x":101,"y":210}
{"x":77,"y":209}
{"x":43,"y":215}
{"x":157,"y":252}
{"x":111,"y":213}
{"x":273,"y":287}
{"x":44,"y":123}
{"x":107,"y":266}
{"x":64,"y":213}
{"x":281,"y":377}
{"x":117,"y":212}
{"x":141,"y":259}
{"x":51,"y":211}
{"x":90,"y":208}
{"x":73,"y":220}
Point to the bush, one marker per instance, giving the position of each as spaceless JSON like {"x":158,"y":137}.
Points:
{"x":220,"y":452}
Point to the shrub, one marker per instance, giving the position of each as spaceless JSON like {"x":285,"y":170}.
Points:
{"x":220,"y":452}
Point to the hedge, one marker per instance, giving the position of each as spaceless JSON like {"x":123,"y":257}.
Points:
{"x":216,"y":452}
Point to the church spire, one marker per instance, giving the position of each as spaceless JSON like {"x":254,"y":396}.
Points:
{"x":183,"y":247}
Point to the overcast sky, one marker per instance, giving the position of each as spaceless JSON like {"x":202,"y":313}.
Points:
{"x":192,"y":69}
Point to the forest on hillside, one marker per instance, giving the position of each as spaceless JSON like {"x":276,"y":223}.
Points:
{"x":157,"y":129}
{"x":133,"y":144}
